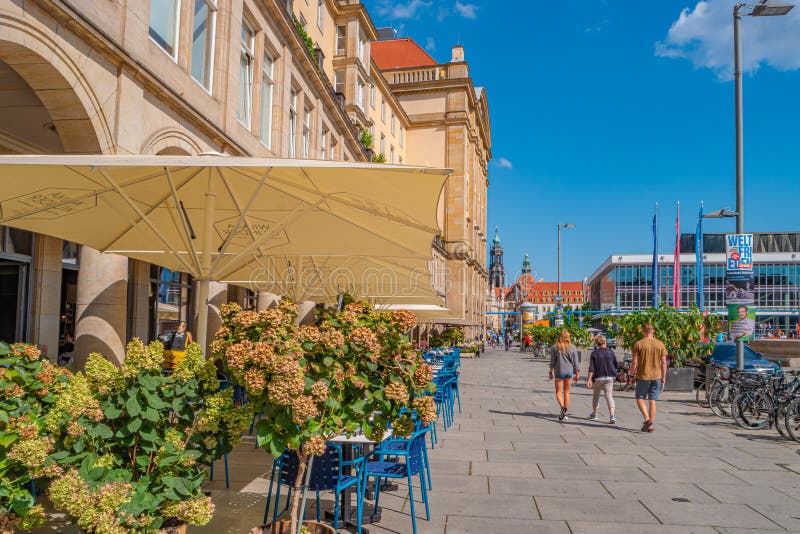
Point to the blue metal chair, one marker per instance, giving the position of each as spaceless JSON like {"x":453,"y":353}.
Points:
{"x":388,"y":446}
{"x":413,"y":464}
{"x":326,"y":475}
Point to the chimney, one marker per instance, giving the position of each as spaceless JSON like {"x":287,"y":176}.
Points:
{"x":458,"y":54}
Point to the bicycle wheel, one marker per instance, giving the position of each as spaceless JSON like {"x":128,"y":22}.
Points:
{"x":703,"y":395}
{"x":780,"y":421}
{"x":792,"y":419}
{"x":753,"y":410}
{"x":720,"y":400}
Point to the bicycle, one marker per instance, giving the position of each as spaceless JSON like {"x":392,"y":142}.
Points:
{"x":703,"y":394}
{"x":624,"y":380}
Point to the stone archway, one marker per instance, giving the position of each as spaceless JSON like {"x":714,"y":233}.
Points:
{"x":44,"y":64}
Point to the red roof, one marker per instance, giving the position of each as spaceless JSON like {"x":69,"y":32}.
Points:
{"x":400,"y":53}
{"x":545,"y":292}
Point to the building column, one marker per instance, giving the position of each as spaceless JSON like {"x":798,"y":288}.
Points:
{"x":46,"y":296}
{"x":102,"y":306}
{"x":217,"y":296}
{"x":139,"y":319}
{"x":267,"y":300}
{"x":306,"y":312}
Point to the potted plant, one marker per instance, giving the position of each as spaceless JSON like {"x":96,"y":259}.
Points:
{"x":29,"y":386}
{"x":133,"y":443}
{"x":679,"y":330}
{"x":353,"y":371}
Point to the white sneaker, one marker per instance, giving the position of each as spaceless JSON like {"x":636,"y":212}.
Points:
{"x":594,"y":417}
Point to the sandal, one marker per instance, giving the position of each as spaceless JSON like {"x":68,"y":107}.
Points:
{"x":646,"y":426}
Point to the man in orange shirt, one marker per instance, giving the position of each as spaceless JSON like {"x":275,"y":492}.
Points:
{"x":649,"y":365}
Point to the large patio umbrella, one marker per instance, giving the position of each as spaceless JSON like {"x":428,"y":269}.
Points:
{"x":382,"y":280}
{"x":221,"y":218}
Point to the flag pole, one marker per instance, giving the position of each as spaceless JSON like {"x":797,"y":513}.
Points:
{"x":654,"y":274}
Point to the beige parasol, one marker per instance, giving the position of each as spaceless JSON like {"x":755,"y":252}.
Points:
{"x":226,"y":218}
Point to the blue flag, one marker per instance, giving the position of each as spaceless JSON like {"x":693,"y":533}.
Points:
{"x":654,"y":275}
{"x":699,"y":267}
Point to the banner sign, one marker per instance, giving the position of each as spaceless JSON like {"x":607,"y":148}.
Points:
{"x":739,"y":287}
{"x":739,"y":253}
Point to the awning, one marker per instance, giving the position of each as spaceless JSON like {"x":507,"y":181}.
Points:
{"x":224,"y":218}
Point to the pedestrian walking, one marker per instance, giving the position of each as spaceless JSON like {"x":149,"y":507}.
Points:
{"x":564,"y":368}
{"x":602,"y":371}
{"x":508,"y":341}
{"x":649,"y":366}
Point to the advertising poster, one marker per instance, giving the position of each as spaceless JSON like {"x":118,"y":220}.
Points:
{"x":739,"y":287}
{"x":741,"y":322}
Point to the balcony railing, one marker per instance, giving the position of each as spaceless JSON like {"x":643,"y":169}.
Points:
{"x":413,"y":75}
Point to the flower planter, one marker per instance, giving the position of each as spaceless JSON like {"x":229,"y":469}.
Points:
{"x":680,"y":379}
{"x":180,"y":529}
{"x":285,"y":527}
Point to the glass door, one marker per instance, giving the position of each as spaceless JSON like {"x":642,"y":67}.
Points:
{"x":13,"y":293}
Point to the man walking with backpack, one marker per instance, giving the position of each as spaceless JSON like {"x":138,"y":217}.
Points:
{"x":649,"y":365}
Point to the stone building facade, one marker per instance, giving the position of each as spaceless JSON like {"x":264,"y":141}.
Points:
{"x":267,"y":78}
{"x":448,"y":127}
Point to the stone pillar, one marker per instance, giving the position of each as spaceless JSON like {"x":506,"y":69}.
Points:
{"x":46,"y":296}
{"x":102,"y":306}
{"x":305,"y":312}
{"x":217,"y":296}
{"x":267,"y":300}
{"x":139,"y":320}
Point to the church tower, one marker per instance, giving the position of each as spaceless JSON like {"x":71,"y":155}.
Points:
{"x":526,"y":265}
{"x":497,"y":273}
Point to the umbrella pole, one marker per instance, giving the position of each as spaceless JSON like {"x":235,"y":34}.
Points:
{"x":205,"y":263}
{"x":202,"y":313}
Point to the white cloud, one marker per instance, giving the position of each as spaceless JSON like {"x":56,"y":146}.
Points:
{"x":504,"y":163}
{"x":401,"y":10}
{"x":468,"y":11}
{"x":430,"y":44}
{"x":600,"y":27}
{"x":443,"y":14}
{"x":704,"y":36}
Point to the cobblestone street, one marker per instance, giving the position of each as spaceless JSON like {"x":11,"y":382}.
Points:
{"x":509,"y":466}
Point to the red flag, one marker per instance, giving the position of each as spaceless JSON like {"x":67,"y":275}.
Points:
{"x":676,"y":263}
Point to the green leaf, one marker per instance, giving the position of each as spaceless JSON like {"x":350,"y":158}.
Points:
{"x":133,"y":406}
{"x":328,"y":361}
{"x":7,"y":439}
{"x":134,"y":425}
{"x":103,"y":431}
{"x":112,"y":412}
{"x":151,"y":414}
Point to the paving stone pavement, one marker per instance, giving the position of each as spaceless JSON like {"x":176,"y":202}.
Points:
{"x":509,"y":466}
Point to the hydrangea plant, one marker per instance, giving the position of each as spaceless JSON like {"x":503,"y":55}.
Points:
{"x":353,"y":371}
{"x":680,"y":330}
{"x":29,"y":387}
{"x":133,"y":443}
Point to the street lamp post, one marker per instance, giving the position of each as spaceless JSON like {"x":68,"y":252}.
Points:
{"x":558,"y":287}
{"x":761,"y":9}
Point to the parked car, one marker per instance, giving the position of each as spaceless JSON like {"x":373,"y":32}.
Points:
{"x":725,"y":354}
{"x":611,"y":341}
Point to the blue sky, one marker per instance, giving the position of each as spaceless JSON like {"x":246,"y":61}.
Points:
{"x":601,"y":108}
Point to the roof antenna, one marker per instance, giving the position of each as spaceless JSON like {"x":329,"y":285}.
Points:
{"x":459,"y":38}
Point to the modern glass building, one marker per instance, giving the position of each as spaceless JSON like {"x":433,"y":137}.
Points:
{"x":624,"y":282}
